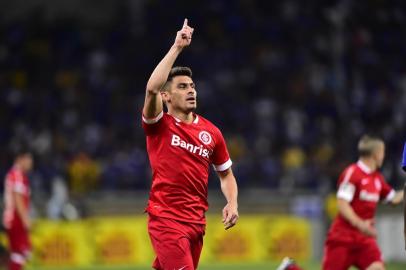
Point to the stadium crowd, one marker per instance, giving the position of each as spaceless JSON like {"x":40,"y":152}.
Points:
{"x":292,"y":84}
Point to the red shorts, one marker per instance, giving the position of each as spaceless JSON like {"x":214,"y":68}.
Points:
{"x":342,"y":255}
{"x":19,"y":244}
{"x":177,"y":244}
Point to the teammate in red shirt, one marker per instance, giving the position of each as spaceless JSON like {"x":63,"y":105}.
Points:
{"x":351,"y":238}
{"x":181,"y":147}
{"x":16,"y":217}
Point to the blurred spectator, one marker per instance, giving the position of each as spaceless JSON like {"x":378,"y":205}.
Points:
{"x":84,"y":174}
{"x":59,"y":206}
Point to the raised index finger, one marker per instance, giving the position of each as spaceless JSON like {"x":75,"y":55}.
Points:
{"x":185,"y":23}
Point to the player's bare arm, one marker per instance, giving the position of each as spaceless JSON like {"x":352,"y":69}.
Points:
{"x":364,"y":226}
{"x":398,"y":198}
{"x":153,"y":101}
{"x":22,"y":210}
{"x":230,"y":191}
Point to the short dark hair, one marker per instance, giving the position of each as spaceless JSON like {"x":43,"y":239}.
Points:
{"x":367,"y":145}
{"x":21,"y":150}
{"x":177,"y":71}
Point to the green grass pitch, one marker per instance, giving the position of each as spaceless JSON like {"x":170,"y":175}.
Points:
{"x":263,"y":266}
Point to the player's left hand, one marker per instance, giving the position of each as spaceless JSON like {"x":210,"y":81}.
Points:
{"x":230,"y":215}
{"x":184,"y":36}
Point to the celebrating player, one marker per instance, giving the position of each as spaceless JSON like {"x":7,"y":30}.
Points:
{"x":181,"y":146}
{"x":16,"y":217}
{"x":351,"y":239}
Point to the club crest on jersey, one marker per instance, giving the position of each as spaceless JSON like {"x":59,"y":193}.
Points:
{"x":205,"y":137}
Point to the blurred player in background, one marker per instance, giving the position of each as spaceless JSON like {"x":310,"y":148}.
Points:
{"x":404,"y":189}
{"x":16,"y":217}
{"x":351,"y":238}
{"x":288,"y":264}
{"x":181,"y":147}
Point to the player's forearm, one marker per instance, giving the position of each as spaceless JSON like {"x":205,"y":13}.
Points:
{"x":161,"y":71}
{"x":346,"y":211}
{"x":22,"y":210}
{"x":230,"y":189}
{"x":398,"y":198}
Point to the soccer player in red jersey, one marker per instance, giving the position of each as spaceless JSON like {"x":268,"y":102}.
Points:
{"x":351,"y":238}
{"x":404,"y":190}
{"x":181,"y":147}
{"x":16,"y":217}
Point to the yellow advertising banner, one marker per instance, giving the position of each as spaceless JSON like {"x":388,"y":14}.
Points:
{"x":124,"y":241}
{"x":121,"y":241}
{"x":236,"y":244}
{"x":258,"y":238}
{"x":331,"y":206}
{"x":286,"y":236}
{"x":61,"y":243}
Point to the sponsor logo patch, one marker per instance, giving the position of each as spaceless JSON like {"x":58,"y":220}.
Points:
{"x":195,"y":149}
{"x":368,"y":196}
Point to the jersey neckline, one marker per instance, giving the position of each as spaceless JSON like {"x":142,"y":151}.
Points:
{"x":364,"y":167}
{"x":195,"y":121}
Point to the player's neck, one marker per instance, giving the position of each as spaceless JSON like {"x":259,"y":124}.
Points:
{"x":370,"y":163}
{"x":184,"y":117}
{"x":18,"y":166}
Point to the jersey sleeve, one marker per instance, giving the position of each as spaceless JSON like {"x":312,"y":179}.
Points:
{"x":152,"y":125}
{"x":17,"y":183}
{"x":347,"y":185}
{"x":387,"y":192}
{"x":220,"y":158}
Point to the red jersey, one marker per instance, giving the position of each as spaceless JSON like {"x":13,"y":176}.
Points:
{"x":16,"y":181}
{"x":363,"y":189}
{"x":180,"y":155}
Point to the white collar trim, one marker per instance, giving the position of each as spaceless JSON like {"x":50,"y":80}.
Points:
{"x":364,"y":167}
{"x":195,"y":121}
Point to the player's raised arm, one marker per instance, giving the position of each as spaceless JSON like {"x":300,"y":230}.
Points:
{"x":153,"y":101}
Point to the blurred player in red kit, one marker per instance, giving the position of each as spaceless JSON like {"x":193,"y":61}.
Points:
{"x":181,"y":147}
{"x":404,"y":190}
{"x":351,"y":238}
{"x":288,"y":264}
{"x":16,"y":219}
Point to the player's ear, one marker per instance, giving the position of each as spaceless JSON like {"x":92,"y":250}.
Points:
{"x":165,"y":96}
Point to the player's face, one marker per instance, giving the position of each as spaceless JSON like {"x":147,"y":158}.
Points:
{"x":27,"y":162}
{"x":379,"y":154}
{"x":182,"y":94}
